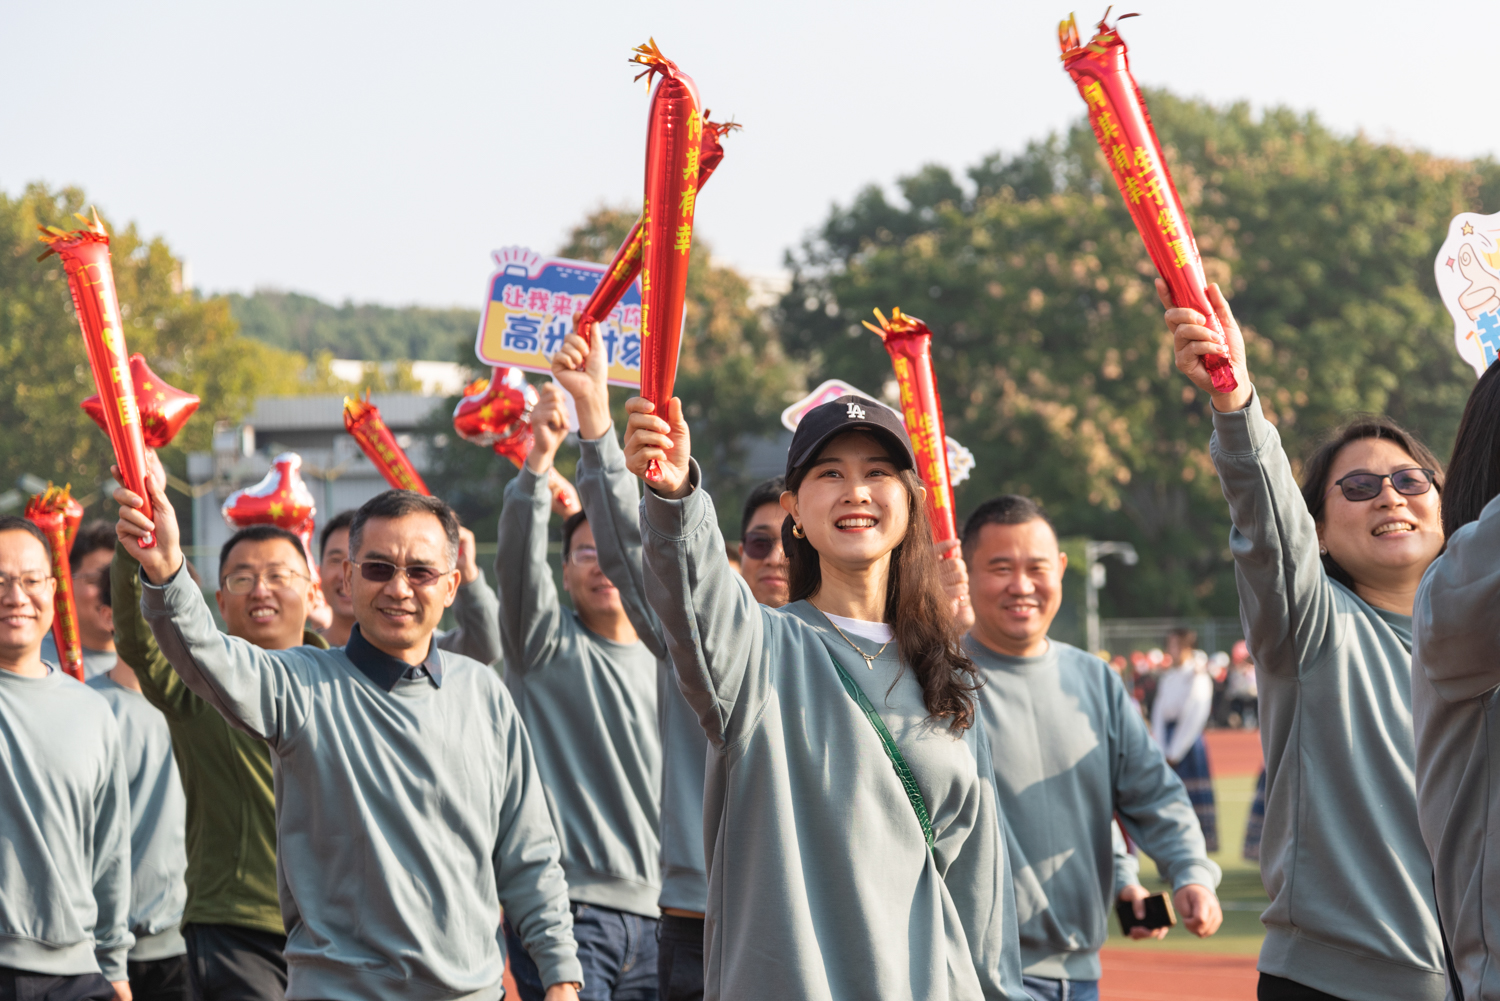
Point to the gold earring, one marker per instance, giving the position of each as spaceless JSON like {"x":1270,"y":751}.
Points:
{"x":797,"y":532}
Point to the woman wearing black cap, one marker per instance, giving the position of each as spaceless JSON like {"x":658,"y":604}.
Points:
{"x":854,"y":845}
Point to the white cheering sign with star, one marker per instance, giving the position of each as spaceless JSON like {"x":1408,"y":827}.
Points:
{"x":1468,"y":279}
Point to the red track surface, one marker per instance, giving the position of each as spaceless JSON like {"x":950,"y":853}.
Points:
{"x":1131,"y":975}
{"x":1233,"y":752}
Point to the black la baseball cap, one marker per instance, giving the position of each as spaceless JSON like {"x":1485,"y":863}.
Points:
{"x":849,"y":413}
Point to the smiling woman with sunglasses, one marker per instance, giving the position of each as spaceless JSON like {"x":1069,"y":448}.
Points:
{"x":1327,"y":576}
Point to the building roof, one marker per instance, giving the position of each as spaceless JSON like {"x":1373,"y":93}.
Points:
{"x":401,"y":411}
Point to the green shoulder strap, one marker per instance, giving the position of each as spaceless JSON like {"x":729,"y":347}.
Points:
{"x":892,"y":751}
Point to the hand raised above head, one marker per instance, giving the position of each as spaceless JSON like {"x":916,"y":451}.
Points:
{"x":954,"y":574}
{"x":549,"y":426}
{"x":164,"y":559}
{"x":648,"y":438}
{"x":580,"y":367}
{"x":1192,"y":340}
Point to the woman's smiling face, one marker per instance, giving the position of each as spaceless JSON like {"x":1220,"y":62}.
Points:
{"x":851,"y":504}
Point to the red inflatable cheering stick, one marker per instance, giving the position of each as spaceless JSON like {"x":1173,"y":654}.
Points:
{"x":85,"y":258}
{"x":281,"y":499}
{"x":909,"y":343}
{"x":626,"y":264}
{"x":495,"y":413}
{"x":674,"y":147}
{"x":164,"y":410}
{"x":362,"y":420}
{"x":57,"y":514}
{"x":1123,"y":127}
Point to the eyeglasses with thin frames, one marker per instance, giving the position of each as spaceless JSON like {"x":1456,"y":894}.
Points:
{"x":243,"y":582}
{"x":1412,"y":482}
{"x":419,"y":575}
{"x":583,"y":556}
{"x":34,"y":584}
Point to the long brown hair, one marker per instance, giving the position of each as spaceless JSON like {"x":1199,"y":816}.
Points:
{"x":1320,"y":465}
{"x":915,"y":606}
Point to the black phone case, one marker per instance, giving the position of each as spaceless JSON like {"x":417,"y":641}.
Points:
{"x":1159,"y":913}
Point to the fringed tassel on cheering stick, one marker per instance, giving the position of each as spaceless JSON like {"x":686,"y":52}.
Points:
{"x":363,"y":421}
{"x":626,"y":264}
{"x":674,"y":140}
{"x":85,"y":257}
{"x":1121,"y":124}
{"x":58,"y":515}
{"x":909,"y":343}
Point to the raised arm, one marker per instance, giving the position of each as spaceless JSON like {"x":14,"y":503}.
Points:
{"x":1455,"y":627}
{"x":137,"y":646}
{"x":610,"y":495}
{"x":477,"y":610}
{"x":111,"y":861}
{"x":1286,"y":599}
{"x":251,"y":688}
{"x":530,"y":614}
{"x":715,"y":630}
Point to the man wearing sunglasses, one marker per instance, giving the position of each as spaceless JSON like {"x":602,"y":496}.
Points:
{"x":762,"y":560}
{"x":232,"y":921}
{"x":64,"y":804}
{"x":586,"y":681}
{"x":408,"y":807}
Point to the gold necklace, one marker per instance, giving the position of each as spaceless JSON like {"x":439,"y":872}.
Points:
{"x":870,"y":658}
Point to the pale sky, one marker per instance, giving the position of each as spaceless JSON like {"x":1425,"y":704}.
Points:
{"x":378,"y":151}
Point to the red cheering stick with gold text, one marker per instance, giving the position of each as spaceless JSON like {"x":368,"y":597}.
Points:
{"x":1123,"y":127}
{"x":85,"y":257}
{"x":57,"y":514}
{"x":909,"y":343}
{"x":626,"y":264}
{"x":674,"y":146}
{"x":362,"y":420}
{"x":163,"y":409}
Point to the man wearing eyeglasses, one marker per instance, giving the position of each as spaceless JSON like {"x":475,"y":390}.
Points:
{"x":64,"y":804}
{"x":232,"y":920}
{"x":408,"y":805}
{"x":88,"y":559}
{"x":586,"y":685}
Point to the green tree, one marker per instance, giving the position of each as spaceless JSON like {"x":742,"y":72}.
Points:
{"x":1049,"y":346}
{"x":190,"y":341}
{"x":368,"y":332}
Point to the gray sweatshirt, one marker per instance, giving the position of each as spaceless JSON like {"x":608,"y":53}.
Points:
{"x":612,"y":497}
{"x":406,"y":816}
{"x":476,"y":610}
{"x":95,"y":662}
{"x":64,"y":830}
{"x":1455,"y":708}
{"x":589,"y":705}
{"x":1073,"y":751}
{"x":158,"y":823}
{"x":1341,"y":854}
{"x":820,"y":884}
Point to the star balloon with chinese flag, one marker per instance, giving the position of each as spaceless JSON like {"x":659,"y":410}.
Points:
{"x":496,"y":413}
{"x":1121,"y":124}
{"x":85,"y":257}
{"x":163,"y":408}
{"x":281,"y":499}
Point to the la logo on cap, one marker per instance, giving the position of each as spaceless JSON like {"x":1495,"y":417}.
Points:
{"x":856,"y":412}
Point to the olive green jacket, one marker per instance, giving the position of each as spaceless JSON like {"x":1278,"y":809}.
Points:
{"x":226,"y":774}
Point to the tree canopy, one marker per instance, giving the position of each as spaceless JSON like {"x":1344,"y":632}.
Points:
{"x":368,"y":332}
{"x":1051,"y":355}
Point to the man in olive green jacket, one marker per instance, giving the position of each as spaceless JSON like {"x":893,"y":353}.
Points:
{"x":232,"y":921}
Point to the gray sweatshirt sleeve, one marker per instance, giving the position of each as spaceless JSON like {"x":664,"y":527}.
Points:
{"x":111,"y":851}
{"x":980,"y":881}
{"x":612,"y":498}
{"x":528,"y":876}
{"x":530,"y":615}
{"x":1151,"y":801}
{"x":1127,"y":866}
{"x":252,"y":689}
{"x":715,"y":630}
{"x":1455,"y":628}
{"x":1286,"y":600}
{"x":477,"y":634}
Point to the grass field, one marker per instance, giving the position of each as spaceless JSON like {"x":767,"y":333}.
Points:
{"x":1240,"y":892}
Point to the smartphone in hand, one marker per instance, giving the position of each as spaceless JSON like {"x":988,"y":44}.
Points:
{"x":1159,"y":913}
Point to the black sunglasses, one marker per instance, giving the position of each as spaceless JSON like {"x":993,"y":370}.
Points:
{"x":380,"y":572}
{"x":758,"y":547}
{"x":1367,"y":486}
